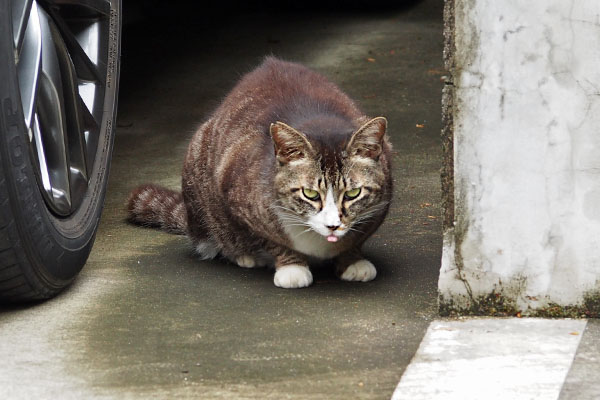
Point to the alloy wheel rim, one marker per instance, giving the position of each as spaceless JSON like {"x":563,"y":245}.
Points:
{"x":61,"y":54}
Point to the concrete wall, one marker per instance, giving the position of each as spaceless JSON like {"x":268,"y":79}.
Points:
{"x":522,"y":163}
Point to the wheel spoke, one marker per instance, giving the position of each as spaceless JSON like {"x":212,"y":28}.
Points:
{"x":20,"y":15}
{"x":78,"y":166}
{"x":91,"y":131}
{"x":53,"y":146}
{"x":73,"y":108}
{"x":100,"y":6}
{"x":29,"y":64}
{"x":50,"y":108}
{"x":41,"y":157}
{"x":85,"y":67}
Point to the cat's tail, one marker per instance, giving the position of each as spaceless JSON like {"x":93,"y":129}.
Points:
{"x":158,"y":207}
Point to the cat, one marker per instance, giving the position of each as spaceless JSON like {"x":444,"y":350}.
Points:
{"x":286,"y":172}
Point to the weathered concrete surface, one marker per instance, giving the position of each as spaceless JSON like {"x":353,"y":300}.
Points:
{"x":145,"y":319}
{"x":525,"y":116}
{"x":502,"y":358}
{"x":582,"y":381}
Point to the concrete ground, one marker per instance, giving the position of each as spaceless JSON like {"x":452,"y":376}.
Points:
{"x":505,"y":358}
{"x":146,"y":319}
{"x":581,"y":383}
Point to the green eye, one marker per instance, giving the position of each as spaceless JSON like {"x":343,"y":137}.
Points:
{"x":352,"y":194}
{"x":310,"y":194}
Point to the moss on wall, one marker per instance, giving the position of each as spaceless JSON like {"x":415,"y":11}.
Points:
{"x":492,"y":305}
{"x":496,"y":304}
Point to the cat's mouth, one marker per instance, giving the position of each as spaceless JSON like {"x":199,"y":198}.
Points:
{"x":332,"y":231}
{"x":333,"y":236}
{"x":330,"y":235}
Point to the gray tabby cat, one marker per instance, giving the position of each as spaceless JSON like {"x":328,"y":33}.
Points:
{"x":286,"y":172}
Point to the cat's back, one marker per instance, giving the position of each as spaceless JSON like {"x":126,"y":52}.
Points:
{"x":279,"y":90}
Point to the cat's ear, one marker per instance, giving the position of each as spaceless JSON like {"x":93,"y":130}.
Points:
{"x":289,"y":144}
{"x":367,"y":141}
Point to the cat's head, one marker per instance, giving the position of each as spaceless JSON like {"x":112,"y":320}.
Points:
{"x":332,"y":184}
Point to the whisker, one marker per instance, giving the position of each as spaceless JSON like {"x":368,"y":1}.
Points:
{"x":352,"y":229}
{"x":370,"y":212}
{"x":304,"y":231}
{"x":365,"y":218}
{"x":297,"y":225}
{"x":292,"y":220}
{"x":282,"y":207}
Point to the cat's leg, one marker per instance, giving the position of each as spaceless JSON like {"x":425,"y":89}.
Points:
{"x":291,"y":271}
{"x":247,"y":252}
{"x":204,"y":244}
{"x":352,"y":266}
{"x":253,"y":260}
{"x":207,"y":249}
{"x":246,"y":261}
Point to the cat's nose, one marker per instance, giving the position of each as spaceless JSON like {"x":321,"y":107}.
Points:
{"x":333,"y":227}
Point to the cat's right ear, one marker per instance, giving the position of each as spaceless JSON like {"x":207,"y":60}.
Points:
{"x":368,"y":140}
{"x":289,"y":144}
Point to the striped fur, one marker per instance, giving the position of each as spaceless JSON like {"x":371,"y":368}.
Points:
{"x":281,"y":130}
{"x":158,"y":207}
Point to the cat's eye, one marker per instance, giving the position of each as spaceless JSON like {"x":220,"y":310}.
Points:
{"x":352,"y":194}
{"x":310,"y":194}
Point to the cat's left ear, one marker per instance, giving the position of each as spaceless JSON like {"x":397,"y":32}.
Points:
{"x":367,"y":141}
{"x":289,"y":144}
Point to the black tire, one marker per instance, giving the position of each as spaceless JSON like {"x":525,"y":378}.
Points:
{"x":42,"y":250}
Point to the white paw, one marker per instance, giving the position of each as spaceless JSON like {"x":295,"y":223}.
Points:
{"x":362,"y":270}
{"x":292,"y":276}
{"x":246,"y":261}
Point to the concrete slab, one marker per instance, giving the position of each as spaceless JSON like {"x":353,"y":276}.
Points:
{"x":146,"y":319}
{"x":493,"y":359}
{"x":582,"y":381}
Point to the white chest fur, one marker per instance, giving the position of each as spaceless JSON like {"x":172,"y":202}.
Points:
{"x":311,"y":243}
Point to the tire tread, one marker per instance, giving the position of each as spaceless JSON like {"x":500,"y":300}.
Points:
{"x":12,"y":281}
{"x":9,"y":272}
{"x":14,"y":285}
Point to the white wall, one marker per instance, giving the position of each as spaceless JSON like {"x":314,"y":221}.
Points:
{"x":526,"y":153}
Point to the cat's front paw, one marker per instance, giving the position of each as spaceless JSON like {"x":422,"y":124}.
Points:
{"x":292,"y":277}
{"x":362,"y":271}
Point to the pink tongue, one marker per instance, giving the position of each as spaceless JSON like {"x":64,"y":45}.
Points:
{"x":332,"y":238}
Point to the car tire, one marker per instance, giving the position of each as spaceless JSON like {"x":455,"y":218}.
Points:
{"x":59,"y":74}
